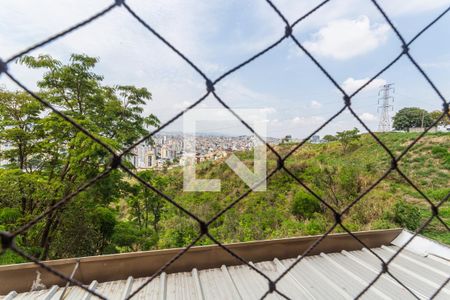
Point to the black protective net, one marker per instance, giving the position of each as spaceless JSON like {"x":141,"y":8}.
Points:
{"x":7,"y":238}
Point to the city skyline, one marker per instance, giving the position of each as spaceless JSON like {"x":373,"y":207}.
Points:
{"x":168,"y":149}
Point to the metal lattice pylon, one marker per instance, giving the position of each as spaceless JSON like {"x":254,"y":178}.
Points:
{"x":7,"y":239}
{"x":384,"y":96}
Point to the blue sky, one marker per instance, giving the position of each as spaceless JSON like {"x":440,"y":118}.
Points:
{"x":348,"y":37}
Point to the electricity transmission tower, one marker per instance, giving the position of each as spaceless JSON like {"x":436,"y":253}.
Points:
{"x":386,"y":99}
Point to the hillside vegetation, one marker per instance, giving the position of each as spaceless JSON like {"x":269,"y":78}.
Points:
{"x":47,"y":164}
{"x":136,"y":218}
{"x":337,"y":176}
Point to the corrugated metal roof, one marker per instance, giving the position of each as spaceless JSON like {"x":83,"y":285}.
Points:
{"x":326,"y":276}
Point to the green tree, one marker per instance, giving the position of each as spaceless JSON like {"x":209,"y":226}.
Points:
{"x":406,"y":215}
{"x":147,"y":206}
{"x":329,"y":138}
{"x":304,"y":204}
{"x":410,"y":117}
{"x":19,"y":129}
{"x":53,"y":152}
{"x":437,"y":114}
{"x":126,"y":235}
{"x":104,"y":220}
{"x":348,"y":138}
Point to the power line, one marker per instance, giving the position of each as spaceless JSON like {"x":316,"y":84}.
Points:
{"x":7,"y":239}
{"x":384,"y":95}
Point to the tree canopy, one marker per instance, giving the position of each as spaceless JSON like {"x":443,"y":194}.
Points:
{"x":348,"y":138}
{"x":47,"y":158}
{"x":435,"y":115}
{"x":410,"y":117}
{"x":329,"y":138}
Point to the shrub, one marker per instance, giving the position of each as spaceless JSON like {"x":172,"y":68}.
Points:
{"x":316,"y":225}
{"x":382,"y":224}
{"x":104,"y":220}
{"x":348,"y":138}
{"x":349,"y":180}
{"x":371,"y":208}
{"x":9,"y":215}
{"x":406,"y":215}
{"x":329,"y":138}
{"x":304,"y":205}
{"x":125,"y":235}
{"x":9,"y":257}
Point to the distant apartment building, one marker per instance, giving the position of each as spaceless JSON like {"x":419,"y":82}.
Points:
{"x":315,"y":139}
{"x":150,"y":159}
{"x":287,"y":139}
{"x":168,"y":150}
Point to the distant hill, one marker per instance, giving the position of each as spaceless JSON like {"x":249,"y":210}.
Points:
{"x":335,"y":175}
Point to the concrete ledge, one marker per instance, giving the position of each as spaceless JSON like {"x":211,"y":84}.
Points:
{"x":103,"y":268}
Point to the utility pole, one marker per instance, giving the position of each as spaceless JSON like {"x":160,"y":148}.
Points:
{"x":386,"y":99}
{"x":423,"y":116}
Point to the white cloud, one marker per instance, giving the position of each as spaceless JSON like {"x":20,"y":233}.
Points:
{"x":350,"y":84}
{"x":368,"y":117}
{"x":268,"y":110}
{"x":315,"y":104}
{"x":129,"y":53}
{"x":234,"y":92}
{"x":400,"y":7}
{"x":347,"y":9}
{"x":347,"y":38}
{"x":312,"y":120}
{"x":299,"y":126}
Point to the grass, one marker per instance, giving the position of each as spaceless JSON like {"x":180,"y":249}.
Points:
{"x":427,"y":164}
{"x":436,"y":230}
{"x":338,"y":177}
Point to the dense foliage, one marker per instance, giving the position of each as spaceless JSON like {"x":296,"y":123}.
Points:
{"x":337,"y":176}
{"x":349,"y":139}
{"x":444,"y":121}
{"x":410,"y":117}
{"x":48,"y":159}
{"x":406,"y":215}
